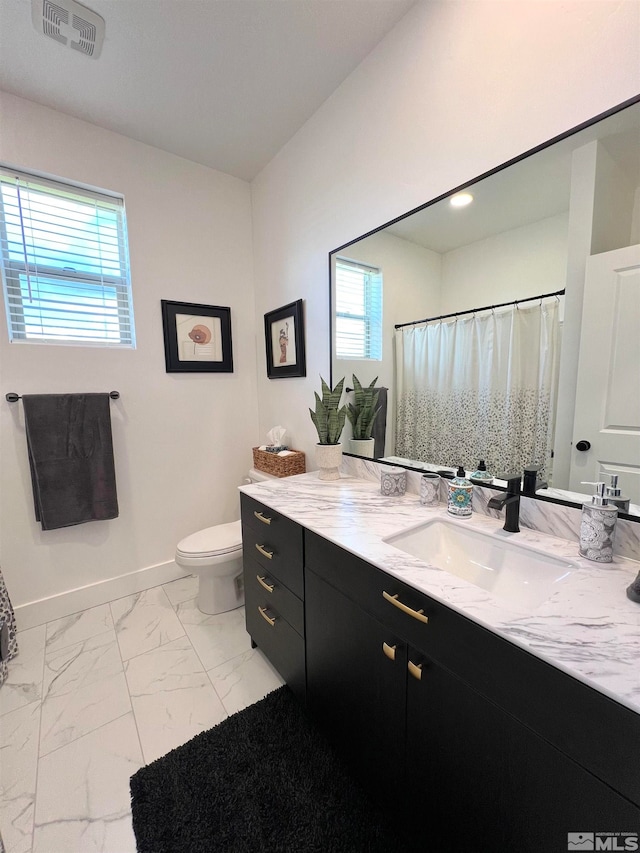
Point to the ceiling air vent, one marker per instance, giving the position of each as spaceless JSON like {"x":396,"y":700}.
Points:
{"x":70,"y":24}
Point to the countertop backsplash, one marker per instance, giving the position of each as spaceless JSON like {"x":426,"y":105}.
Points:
{"x":543,"y":516}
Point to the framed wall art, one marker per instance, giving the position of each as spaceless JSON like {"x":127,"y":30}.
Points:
{"x":284,"y":339}
{"x":197,"y":338}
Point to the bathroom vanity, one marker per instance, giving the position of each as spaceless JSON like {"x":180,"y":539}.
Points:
{"x":490,"y":726}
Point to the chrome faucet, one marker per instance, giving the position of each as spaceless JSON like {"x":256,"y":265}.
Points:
{"x":510,"y":502}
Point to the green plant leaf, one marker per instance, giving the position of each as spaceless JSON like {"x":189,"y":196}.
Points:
{"x":363,"y":412}
{"x":327,"y":418}
{"x":342,"y":414}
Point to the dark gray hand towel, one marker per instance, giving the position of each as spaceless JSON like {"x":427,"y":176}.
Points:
{"x":380,"y":424}
{"x":71,"y":458}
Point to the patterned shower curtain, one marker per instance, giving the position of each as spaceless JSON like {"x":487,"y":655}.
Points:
{"x":8,"y":638}
{"x":480,"y":387}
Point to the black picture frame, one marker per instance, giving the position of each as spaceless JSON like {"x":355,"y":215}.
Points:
{"x":284,"y":344}
{"x":208,"y":341}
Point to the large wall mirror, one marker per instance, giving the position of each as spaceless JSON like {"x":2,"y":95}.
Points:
{"x":508,"y":328}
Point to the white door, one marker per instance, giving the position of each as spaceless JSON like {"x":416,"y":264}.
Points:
{"x":608,"y":384}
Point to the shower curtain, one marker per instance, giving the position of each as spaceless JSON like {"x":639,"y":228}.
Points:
{"x":8,"y":641}
{"x":479,"y":387}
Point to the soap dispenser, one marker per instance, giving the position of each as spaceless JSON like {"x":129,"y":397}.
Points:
{"x":598,"y":526}
{"x":481,"y":475}
{"x":460,"y":492}
{"x":614,"y":495}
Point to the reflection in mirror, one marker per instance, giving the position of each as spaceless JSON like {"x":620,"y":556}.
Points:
{"x":506,"y":329}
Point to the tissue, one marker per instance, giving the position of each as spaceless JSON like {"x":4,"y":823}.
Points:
{"x":275,"y":437}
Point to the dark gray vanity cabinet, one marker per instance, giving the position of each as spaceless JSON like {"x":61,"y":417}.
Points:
{"x":272,"y":552}
{"x":469,"y":740}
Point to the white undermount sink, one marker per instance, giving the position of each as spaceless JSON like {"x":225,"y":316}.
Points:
{"x":512,"y":571}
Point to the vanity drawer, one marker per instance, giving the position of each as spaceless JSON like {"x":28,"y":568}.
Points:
{"x":365,"y":584}
{"x":279,"y":557}
{"x":276,"y":535}
{"x":261,"y":517}
{"x":276,"y":638}
{"x":269,"y":592}
{"x":594,"y":730}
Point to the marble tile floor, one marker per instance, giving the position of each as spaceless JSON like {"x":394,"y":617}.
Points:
{"x":94,"y":696}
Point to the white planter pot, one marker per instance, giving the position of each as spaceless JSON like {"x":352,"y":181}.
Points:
{"x":362,"y":447}
{"x":328,"y":458}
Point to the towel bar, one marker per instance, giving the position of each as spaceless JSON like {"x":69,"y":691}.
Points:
{"x":12,"y":397}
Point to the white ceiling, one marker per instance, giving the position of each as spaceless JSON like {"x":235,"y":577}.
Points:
{"x":225,"y":83}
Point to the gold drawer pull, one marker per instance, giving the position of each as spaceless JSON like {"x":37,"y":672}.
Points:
{"x":417,"y":614}
{"x":263,"y":584}
{"x":263,"y":518}
{"x":263,"y":613}
{"x":415,"y":669}
{"x":264,"y":552}
{"x":390,"y":651}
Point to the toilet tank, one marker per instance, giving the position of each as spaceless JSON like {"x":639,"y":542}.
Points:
{"x":256,"y":476}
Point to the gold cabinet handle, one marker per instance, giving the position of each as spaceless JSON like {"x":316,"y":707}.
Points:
{"x":263,"y":518}
{"x":415,"y":669}
{"x":263,"y":613}
{"x":390,"y":651}
{"x":263,"y":584}
{"x":417,"y":614}
{"x":264,"y":552}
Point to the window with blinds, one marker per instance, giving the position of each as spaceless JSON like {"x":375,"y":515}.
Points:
{"x":358,"y":310}
{"x":65,"y":263}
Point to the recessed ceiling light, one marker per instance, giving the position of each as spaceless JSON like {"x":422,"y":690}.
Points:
{"x":461,"y":200}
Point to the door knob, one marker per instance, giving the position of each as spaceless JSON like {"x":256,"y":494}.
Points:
{"x":583,"y":445}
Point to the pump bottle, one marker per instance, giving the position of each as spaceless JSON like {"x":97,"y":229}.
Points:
{"x":460,"y":493}
{"x":598,"y":526}
{"x":614,"y":495}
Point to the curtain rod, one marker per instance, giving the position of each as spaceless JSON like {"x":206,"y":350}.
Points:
{"x":475,"y":310}
{"x":381,"y":388}
{"x":12,"y":397}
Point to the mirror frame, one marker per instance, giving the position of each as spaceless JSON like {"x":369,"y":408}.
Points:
{"x":529,"y":153}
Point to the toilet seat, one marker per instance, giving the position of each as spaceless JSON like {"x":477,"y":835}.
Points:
{"x":212,"y":541}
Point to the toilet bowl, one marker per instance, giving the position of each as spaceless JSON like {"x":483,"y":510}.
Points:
{"x":215,"y":556}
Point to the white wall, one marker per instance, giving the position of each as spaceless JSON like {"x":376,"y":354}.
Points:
{"x":615,"y":196}
{"x":182,"y":442}
{"x":455,"y":89}
{"x":516,"y":264}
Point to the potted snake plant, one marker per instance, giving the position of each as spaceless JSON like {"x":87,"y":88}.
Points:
{"x":362,"y":414}
{"x":329,"y":419}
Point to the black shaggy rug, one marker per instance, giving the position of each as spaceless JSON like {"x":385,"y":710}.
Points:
{"x":265,"y":779}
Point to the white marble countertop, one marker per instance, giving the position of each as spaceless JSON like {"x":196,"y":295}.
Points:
{"x":587,"y":628}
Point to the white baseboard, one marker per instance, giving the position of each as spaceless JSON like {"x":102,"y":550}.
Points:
{"x":65,"y":603}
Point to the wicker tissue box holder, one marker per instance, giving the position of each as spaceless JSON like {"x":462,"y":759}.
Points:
{"x":279,"y":466}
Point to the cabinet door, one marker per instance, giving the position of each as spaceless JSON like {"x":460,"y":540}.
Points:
{"x":356,"y":683}
{"x":484,"y":781}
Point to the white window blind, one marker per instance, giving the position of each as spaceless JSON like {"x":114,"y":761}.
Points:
{"x":64,"y":262}
{"x":358,"y":311}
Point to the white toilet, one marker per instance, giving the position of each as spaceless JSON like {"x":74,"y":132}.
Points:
{"x":215,"y":556}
